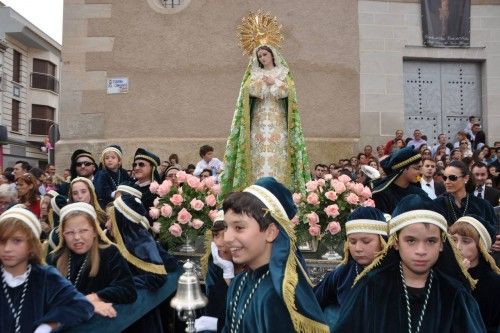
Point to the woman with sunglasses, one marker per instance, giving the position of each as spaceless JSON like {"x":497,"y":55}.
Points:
{"x":457,"y":202}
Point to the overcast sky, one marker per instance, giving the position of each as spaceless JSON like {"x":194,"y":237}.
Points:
{"x":46,"y":15}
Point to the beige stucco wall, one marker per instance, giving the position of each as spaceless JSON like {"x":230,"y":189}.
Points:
{"x":185,"y":69}
{"x":390,"y":31}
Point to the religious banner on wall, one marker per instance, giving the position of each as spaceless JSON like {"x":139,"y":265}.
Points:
{"x":446,"y":22}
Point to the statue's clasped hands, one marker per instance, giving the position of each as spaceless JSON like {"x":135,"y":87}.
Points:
{"x":268,"y":80}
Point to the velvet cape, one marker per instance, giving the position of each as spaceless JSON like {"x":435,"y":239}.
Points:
{"x":476,"y":206}
{"x":377,"y":304}
{"x":216,"y":290}
{"x":49,"y":298}
{"x":106,"y":182}
{"x":113,"y":283}
{"x":148,"y":261}
{"x":487,"y":294}
{"x":387,"y":199}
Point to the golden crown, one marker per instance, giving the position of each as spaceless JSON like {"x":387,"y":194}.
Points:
{"x":259,"y":29}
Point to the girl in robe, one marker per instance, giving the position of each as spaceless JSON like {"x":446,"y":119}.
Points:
{"x":82,"y":189}
{"x":366,"y":232}
{"x":473,"y":236}
{"x":34,"y":296}
{"x":90,"y":261}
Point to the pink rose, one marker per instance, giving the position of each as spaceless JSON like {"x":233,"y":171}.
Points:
{"x":176,"y":230}
{"x":164,"y":188}
{"x":181,"y":176}
{"x":312,"y":218}
{"x":156,"y":202}
{"x":314,"y":230}
{"x":330,"y":195}
{"x":153,"y":187}
{"x":197,"y":224}
{"x":154,"y":213}
{"x":208,"y":182}
{"x":177,"y":199}
{"x":210,"y":200}
{"x":193,"y":181}
{"x":332,"y":210}
{"x":184,"y":216}
{"x":358,"y":188}
{"x":338,"y":186}
{"x":352,"y":199}
{"x":166,"y":210}
{"x":212,"y":214}
{"x":328,"y":177}
{"x":295,"y":220}
{"x":368,"y":203}
{"x":197,"y":204}
{"x":296,"y":198}
{"x":333,"y":227}
{"x":215,"y":189}
{"x":345,"y":179}
{"x":321,"y":182}
{"x":311,"y":185}
{"x":366,"y":193}
{"x":313,"y":199}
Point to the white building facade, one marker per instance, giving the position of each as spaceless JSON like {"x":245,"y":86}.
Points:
{"x":30,"y":63}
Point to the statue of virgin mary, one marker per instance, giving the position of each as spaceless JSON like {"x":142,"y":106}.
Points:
{"x":266,"y":137}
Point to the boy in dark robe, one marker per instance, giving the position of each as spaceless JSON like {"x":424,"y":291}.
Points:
{"x":402,"y":170}
{"x":417,"y":284}
{"x":274,"y":294}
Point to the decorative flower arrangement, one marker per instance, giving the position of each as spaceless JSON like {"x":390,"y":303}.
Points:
{"x":323,"y":210}
{"x":184,"y":211}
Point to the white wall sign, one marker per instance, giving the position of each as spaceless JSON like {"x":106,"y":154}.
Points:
{"x":118,"y":85}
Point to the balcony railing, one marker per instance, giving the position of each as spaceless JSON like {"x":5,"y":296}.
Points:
{"x":44,"y":81}
{"x":39,"y":126}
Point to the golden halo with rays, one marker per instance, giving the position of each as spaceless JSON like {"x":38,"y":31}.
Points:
{"x":259,"y":29}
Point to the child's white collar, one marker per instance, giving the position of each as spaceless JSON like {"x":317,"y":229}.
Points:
{"x":14,"y":281}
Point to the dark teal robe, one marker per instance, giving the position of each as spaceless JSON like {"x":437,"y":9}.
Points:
{"x":113,"y":283}
{"x":377,"y":304}
{"x":147,"y":200}
{"x":105,"y":183}
{"x":334,"y":289}
{"x":266,"y":311}
{"x":49,"y":298}
{"x":336,"y":285}
{"x":487,"y":294}
{"x":387,"y":199}
{"x":476,"y":206}
{"x":216,"y":290}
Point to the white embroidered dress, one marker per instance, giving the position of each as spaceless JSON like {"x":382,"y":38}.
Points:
{"x":269,"y":131}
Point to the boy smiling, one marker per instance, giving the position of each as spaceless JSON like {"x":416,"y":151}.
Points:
{"x":274,"y":293}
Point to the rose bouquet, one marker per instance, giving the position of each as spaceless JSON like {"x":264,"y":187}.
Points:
{"x":323,"y":210}
{"x":184,"y":211}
